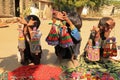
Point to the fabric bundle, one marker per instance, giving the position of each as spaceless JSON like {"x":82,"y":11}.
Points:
{"x":35,"y":41}
{"x":65,"y":38}
{"x":110,"y":48}
{"x":93,"y":53}
{"x":53,"y":38}
{"x":114,"y":47}
{"x":21,"y":39}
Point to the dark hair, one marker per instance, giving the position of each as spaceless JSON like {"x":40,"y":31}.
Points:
{"x":102,"y":23}
{"x":35,"y":18}
{"x":75,"y":19}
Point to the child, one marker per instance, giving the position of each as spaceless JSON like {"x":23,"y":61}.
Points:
{"x":73,"y":50}
{"x":106,"y":24}
{"x":32,"y":51}
{"x":77,"y":22}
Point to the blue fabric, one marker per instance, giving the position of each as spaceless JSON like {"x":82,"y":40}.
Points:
{"x":75,"y":33}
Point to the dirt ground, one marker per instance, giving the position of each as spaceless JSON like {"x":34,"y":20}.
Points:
{"x":8,"y":43}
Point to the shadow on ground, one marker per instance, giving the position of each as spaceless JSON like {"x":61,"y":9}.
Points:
{"x":9,"y":63}
{"x":48,"y":58}
{"x":91,"y":18}
{"x":51,"y":58}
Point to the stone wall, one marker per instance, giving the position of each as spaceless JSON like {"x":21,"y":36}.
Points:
{"x":7,"y":7}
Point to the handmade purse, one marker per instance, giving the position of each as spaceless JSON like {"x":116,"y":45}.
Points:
{"x":35,"y":41}
{"x":53,"y":37}
{"x":65,"y":38}
{"x":110,"y":48}
{"x":93,"y":52}
{"x":107,"y":49}
{"x":114,"y":48}
{"x":21,"y":39}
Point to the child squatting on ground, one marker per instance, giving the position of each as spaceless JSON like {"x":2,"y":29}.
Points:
{"x":69,"y":38}
{"x":29,"y":40}
{"x":98,"y":45}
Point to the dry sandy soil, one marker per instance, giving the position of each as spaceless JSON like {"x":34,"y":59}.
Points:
{"x":8,"y":43}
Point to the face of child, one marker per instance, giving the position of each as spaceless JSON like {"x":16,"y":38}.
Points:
{"x":111,"y":23}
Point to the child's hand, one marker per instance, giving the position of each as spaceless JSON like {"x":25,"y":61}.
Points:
{"x":96,"y":33}
{"x":65,"y":16}
{"x":31,"y":22}
{"x":22,"y":20}
{"x":95,"y":29}
{"x":67,"y":19}
{"x":58,"y":15}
